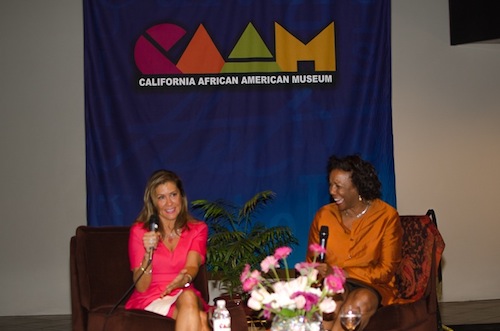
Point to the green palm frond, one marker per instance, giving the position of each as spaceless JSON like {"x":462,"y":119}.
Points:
{"x":257,"y":201}
{"x":236,"y":238}
{"x":218,"y":212}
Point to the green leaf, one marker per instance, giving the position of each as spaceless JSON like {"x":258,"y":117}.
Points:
{"x":237,"y":238}
{"x":285,"y":312}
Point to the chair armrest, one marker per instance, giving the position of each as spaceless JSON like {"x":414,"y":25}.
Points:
{"x":201,"y":282}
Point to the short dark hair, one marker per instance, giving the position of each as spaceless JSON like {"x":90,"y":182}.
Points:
{"x":363,"y":174}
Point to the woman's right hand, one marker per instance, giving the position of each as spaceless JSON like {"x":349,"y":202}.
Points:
{"x":150,"y":240}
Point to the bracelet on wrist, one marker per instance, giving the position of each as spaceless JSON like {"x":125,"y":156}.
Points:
{"x":190,"y":279}
{"x":144,"y":270}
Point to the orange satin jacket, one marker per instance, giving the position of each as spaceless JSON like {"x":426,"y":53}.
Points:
{"x":370,"y":252}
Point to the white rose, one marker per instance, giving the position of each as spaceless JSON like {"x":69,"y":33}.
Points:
{"x":328,"y":305}
{"x":254,"y":304}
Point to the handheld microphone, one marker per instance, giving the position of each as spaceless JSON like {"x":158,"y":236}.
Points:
{"x":153,"y":226}
{"x":323,"y":237}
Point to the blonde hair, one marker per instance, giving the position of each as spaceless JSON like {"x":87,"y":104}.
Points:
{"x":158,"y":178}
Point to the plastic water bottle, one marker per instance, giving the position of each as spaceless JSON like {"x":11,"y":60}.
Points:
{"x":221,"y":319}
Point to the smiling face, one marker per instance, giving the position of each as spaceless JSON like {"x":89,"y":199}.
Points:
{"x":168,"y":201}
{"x":342,"y":190}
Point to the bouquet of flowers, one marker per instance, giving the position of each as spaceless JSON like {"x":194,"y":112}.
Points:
{"x":305,"y":295}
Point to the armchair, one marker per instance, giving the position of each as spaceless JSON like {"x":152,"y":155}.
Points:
{"x":416,"y":278}
{"x":100,"y":277}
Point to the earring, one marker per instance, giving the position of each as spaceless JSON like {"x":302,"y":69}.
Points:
{"x":360,"y":198}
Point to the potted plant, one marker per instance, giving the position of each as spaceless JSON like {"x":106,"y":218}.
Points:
{"x":236,"y":238}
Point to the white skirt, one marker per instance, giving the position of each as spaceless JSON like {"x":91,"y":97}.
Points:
{"x":162,"y":305}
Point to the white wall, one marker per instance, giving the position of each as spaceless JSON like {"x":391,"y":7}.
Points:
{"x":446,"y":114}
{"x":446,"y":104}
{"x":42,"y":148}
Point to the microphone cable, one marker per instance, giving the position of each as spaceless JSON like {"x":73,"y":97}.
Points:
{"x":153,"y":226}
{"x":130,"y":288}
{"x":125,"y":295}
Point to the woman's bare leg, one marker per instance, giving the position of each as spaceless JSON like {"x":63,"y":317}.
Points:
{"x":187,"y":315}
{"x":204,"y":321}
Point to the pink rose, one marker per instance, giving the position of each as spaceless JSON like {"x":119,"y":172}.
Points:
{"x":307,"y":299}
{"x":250,"y":282}
{"x":282,"y":252}
{"x":335,"y":281}
{"x":317,"y":249}
{"x":245,"y":273}
{"x":305,"y":268}
{"x":268,"y":263}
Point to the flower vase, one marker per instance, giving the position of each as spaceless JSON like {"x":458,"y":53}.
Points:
{"x":297,"y":323}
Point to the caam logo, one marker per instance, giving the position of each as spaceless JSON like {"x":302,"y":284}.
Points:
{"x":250,"y":62}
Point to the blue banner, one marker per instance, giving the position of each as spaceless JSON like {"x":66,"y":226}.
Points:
{"x":237,"y":97}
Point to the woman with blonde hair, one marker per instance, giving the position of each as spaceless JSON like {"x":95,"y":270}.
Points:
{"x":165,"y":258}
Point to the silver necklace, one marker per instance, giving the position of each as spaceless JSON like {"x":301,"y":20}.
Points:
{"x":360,"y":214}
{"x":174,"y":233}
{"x":363,"y":212}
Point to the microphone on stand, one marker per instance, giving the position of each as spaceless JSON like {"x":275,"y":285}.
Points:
{"x":153,"y":226}
{"x":323,"y":237}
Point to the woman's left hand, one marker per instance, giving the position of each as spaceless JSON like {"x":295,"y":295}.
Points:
{"x":323,"y":269}
{"x":178,"y":282}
